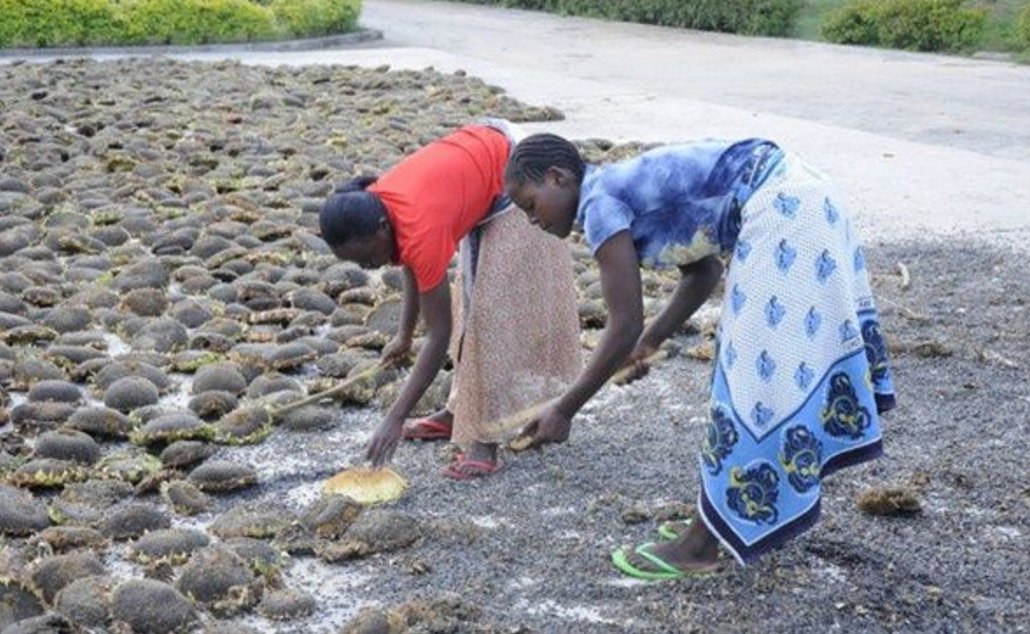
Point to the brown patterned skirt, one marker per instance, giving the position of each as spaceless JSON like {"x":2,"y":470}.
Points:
{"x":519,"y":343}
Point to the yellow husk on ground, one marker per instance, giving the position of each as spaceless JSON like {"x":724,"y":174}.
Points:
{"x":366,"y":485}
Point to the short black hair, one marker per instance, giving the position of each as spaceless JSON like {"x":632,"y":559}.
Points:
{"x":351,"y":212}
{"x":538,"y":152}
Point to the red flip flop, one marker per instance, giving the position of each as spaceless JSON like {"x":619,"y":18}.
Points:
{"x":462,"y":469}
{"x":426,"y":429}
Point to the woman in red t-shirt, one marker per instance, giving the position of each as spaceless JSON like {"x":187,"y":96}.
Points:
{"x":518,"y":342}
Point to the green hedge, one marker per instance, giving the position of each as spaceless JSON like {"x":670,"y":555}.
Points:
{"x":196,"y":21}
{"x":43,"y":23}
{"x":917,"y":25}
{"x":56,"y":22}
{"x":317,"y":17}
{"x":1022,"y":33}
{"x":748,"y":17}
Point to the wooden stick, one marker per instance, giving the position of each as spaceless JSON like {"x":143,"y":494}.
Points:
{"x":330,"y":393}
{"x":621,"y":376}
{"x":904,"y":310}
{"x":906,"y":279}
{"x":524,"y":417}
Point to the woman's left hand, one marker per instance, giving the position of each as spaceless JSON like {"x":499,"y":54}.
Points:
{"x":637,"y":365}
{"x":384,"y":442}
{"x":396,"y":351}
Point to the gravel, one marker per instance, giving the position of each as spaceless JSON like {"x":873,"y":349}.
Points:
{"x":184,"y":156}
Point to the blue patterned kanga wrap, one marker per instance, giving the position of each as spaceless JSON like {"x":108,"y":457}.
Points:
{"x":801,"y":372}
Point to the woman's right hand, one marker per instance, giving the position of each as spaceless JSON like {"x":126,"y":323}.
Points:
{"x":551,"y":426}
{"x":396,"y":352}
{"x":384,"y":442}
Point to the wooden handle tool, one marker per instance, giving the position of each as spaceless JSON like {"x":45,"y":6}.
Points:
{"x":525,"y":416}
{"x":314,"y":399}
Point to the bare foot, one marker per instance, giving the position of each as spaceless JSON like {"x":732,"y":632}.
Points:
{"x":480,"y":459}
{"x":443,"y":416}
{"x":482,"y":452}
{"x":696,"y":550}
{"x":436,"y":426}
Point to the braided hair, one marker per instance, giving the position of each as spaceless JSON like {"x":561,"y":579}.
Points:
{"x":359,"y":184}
{"x":351,"y":212}
{"x":535,"y":154}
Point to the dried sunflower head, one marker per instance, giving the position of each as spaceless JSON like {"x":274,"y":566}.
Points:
{"x":366,"y":485}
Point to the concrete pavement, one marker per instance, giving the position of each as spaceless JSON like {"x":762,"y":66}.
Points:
{"x":927,"y":98}
{"x":924,"y":144}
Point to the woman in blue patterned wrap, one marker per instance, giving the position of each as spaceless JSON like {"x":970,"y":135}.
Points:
{"x":800,"y":373}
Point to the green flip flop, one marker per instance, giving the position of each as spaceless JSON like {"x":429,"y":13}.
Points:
{"x":620,"y":557}
{"x":674,"y":529}
{"x":664,"y":570}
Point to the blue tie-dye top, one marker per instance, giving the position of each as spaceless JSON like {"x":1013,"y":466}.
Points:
{"x":680,"y":202}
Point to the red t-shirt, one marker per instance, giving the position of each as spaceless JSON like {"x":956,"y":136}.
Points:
{"x":438,"y":194}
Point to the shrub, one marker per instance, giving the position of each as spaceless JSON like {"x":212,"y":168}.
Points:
{"x":857,"y":23}
{"x":41,"y":23}
{"x":316,"y":17}
{"x":1022,"y":32}
{"x":196,"y":21}
{"x":749,"y":17}
{"x":917,"y":25}
{"x":32,"y":23}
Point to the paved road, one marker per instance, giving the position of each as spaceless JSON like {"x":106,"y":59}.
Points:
{"x":925,"y":144}
{"x":932,"y":99}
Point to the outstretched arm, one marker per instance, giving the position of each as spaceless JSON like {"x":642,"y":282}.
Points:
{"x":398,"y":348}
{"x":696,"y":284}
{"x":620,"y":281}
{"x":435,"y":305}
